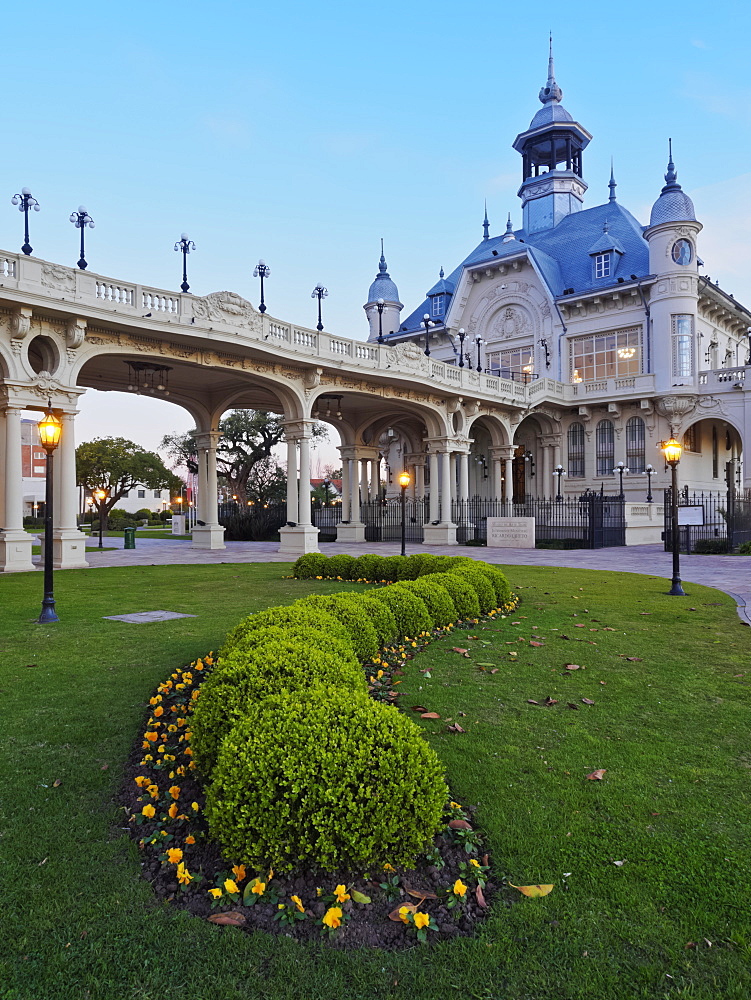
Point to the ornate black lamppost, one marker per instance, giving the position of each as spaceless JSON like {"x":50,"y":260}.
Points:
{"x":25,"y":202}
{"x":462,"y":335}
{"x":672,"y":451}
{"x":320,"y":293}
{"x":404,"y":482}
{"x":620,"y":469}
{"x":81,"y":219}
{"x":649,"y":472}
{"x":426,"y":322}
{"x":529,"y":457}
{"x":379,"y":306}
{"x":326,"y":485}
{"x":184,"y":245}
{"x":559,"y":471}
{"x":479,"y":341}
{"x":50,"y":429}
{"x":544,"y":345}
{"x":261,"y":270}
{"x":100,"y":496}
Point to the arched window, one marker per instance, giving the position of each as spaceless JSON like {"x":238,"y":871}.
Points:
{"x":576,"y":450}
{"x":635,"y":444}
{"x":605,"y":448}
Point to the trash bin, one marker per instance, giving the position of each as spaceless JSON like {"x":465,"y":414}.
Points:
{"x":130,"y":538}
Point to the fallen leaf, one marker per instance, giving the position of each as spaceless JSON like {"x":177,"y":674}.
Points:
{"x":494,"y":670}
{"x":581,"y":625}
{"x":608,"y":629}
{"x":550,"y":701}
{"x":420,"y":894}
{"x":104,"y":767}
{"x":43,"y":862}
{"x":459,"y":824}
{"x":359,"y":897}
{"x":619,"y":864}
{"x":483,"y":664}
{"x":231,"y":919}
{"x":456,"y":728}
{"x":573,"y":666}
{"x":690,"y":944}
{"x":633,"y":659}
{"x":587,"y":701}
{"x":394,"y":915}
{"x":531,"y":701}
{"x":536,"y":643}
{"x":597,"y":775}
{"x":461,"y":713}
{"x":419,"y":708}
{"x":708,"y":942}
{"x":455,"y":649}
{"x":28,"y":666}
{"x":572,"y":705}
{"x":480,"y":897}
{"x":533,"y":891}
{"x":645,"y":612}
{"x":57,"y":782}
{"x":429,"y":715}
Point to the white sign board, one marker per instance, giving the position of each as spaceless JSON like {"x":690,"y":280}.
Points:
{"x":691,"y":515}
{"x":178,"y":524}
{"x":511,"y":532}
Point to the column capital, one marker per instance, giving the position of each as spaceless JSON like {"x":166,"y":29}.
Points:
{"x":207,"y":440}
{"x":359,"y":452}
{"x":296,"y":429}
{"x":505,"y":453}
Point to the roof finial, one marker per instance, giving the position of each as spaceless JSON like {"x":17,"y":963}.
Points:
{"x":440,"y":273}
{"x":671,"y":177}
{"x":509,"y":234}
{"x":605,"y":226}
{"x":551,"y":91}
{"x":611,"y":183}
{"x":486,"y":224}
{"x":382,"y":262}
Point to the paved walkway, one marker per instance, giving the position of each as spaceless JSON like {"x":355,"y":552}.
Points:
{"x":731,"y":574}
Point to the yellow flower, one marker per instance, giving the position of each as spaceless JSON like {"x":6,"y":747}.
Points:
{"x":174,"y":854}
{"x":190,"y":840}
{"x":421,"y":920}
{"x":389,"y":868}
{"x":153,"y":791}
{"x":194,"y":806}
{"x":216,"y":893}
{"x":175,"y":791}
{"x":230,"y":885}
{"x":474,"y":862}
{"x":239,"y":872}
{"x":151,"y":737}
{"x":149,"y":812}
{"x":454,"y":805}
{"x":258,"y":887}
{"x":341,"y":894}
{"x":460,"y":888}
{"x":141,"y":781}
{"x":173,"y":810}
{"x":183,"y":875}
{"x":319,"y":890}
{"x":333,"y":917}
{"x":159,"y":711}
{"x":298,"y":903}
{"x":404,"y":912}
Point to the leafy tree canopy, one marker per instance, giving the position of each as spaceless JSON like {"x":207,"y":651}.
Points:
{"x":117,"y":466}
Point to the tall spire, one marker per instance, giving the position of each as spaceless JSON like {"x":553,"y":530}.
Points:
{"x":382,"y":262}
{"x":486,"y":224}
{"x":611,"y":183}
{"x":671,"y":177}
{"x":509,"y":234}
{"x":551,"y":91}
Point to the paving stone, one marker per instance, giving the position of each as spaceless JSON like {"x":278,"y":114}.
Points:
{"x":144,"y":617}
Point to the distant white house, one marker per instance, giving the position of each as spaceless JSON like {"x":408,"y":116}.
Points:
{"x":139,"y":498}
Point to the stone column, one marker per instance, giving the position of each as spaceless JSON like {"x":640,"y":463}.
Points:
{"x":508,"y":481}
{"x":303,"y":537}
{"x":375,"y":479}
{"x":434,"y":486}
{"x":68,"y":543}
{"x":210,"y":534}
{"x":463,"y":459}
{"x":547,"y":471}
{"x":354,"y":495}
{"x":345,"y":489}
{"x":419,"y":481}
{"x":15,"y":543}
{"x":364,"y":497}
{"x":443,"y":533}
{"x":303,"y":517}
{"x":446,"y":484}
{"x":292,"y":499}
{"x":496,"y":485}
{"x":354,"y":529}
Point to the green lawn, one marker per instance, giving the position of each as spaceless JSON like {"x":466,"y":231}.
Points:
{"x":670,"y":727}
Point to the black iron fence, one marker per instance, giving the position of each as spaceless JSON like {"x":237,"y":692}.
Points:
{"x":722,"y":516}
{"x":383,"y":520}
{"x":252,"y":523}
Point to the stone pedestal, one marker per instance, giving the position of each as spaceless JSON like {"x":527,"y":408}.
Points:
{"x":439,"y":534}
{"x":210,"y":536}
{"x":68,"y":549}
{"x":15,"y":551}
{"x":511,"y":532}
{"x":352,"y":532}
{"x":298,"y":541}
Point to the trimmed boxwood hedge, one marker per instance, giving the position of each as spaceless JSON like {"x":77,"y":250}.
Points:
{"x":437,"y":599}
{"x":325,"y":780}
{"x":246,"y":677}
{"x":410,"y":612}
{"x":285,"y":614}
{"x":368,"y":567}
{"x":484,"y":588}
{"x":353,"y":615}
{"x":382,"y":618}
{"x":463,"y":594}
{"x":311,"y":565}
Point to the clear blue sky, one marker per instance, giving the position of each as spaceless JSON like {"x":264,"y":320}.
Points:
{"x":303,"y":133}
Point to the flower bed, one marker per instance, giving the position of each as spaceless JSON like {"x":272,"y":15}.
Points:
{"x":374,"y":902}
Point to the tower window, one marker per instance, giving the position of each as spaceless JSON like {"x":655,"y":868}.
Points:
{"x":603,"y":265}
{"x":683,"y":344}
{"x":438,"y":305}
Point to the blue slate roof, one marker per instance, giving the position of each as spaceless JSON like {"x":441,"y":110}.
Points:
{"x":561,"y":254}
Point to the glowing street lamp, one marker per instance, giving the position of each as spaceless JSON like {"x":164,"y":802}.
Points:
{"x":404,"y":481}
{"x":50,"y":429}
{"x":100,"y":496}
{"x":671,"y":449}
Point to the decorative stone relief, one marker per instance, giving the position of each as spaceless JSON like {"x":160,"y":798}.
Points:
{"x":20,"y":323}
{"x":227,"y":307}
{"x":513,"y":321}
{"x":676,"y":407}
{"x":75,"y":332}
{"x":407,"y":356}
{"x":62,"y":279}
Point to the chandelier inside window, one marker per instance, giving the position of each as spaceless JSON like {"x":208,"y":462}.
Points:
{"x":624,"y":353}
{"x":145,"y":378}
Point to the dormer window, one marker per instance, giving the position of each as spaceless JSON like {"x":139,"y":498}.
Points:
{"x":438,"y":302}
{"x":603,"y":265}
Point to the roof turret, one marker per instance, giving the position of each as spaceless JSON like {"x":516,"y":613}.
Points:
{"x":383,"y":287}
{"x":673,"y":205}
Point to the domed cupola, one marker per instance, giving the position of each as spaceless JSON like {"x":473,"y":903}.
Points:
{"x":673,"y":205}
{"x":383,"y":307}
{"x":551,"y":148}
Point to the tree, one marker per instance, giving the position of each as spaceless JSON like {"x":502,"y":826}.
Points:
{"x":117,"y":466}
{"x":267,"y":482}
{"x":248,"y":437}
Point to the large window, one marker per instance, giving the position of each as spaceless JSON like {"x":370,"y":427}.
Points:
{"x":603,"y":265}
{"x":635,"y":444}
{"x":576,"y":450}
{"x":605,"y":447}
{"x":683,"y":346}
{"x":606,"y":355}
{"x":519,"y":361}
{"x":691,"y":440}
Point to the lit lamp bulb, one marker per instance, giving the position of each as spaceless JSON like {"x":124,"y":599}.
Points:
{"x":50,"y":429}
{"x":671,"y":450}
{"x":404,"y":480}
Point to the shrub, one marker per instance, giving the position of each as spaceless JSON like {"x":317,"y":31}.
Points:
{"x":247,"y":677}
{"x":500,"y":582}
{"x":340,"y":566}
{"x":483,"y":586}
{"x":390,"y":568}
{"x":437,"y":599}
{"x":463,"y":594}
{"x":409,"y":566}
{"x":444,"y":564}
{"x":382,"y":618}
{"x":325,"y":780}
{"x":429,"y":564}
{"x":349,"y":610}
{"x":709,"y":546}
{"x":312,"y":564}
{"x":318,"y":637}
{"x":368,"y":567}
{"x":744,"y":549}
{"x":143,"y":512}
{"x":410,"y":612}
{"x":292,"y":614}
